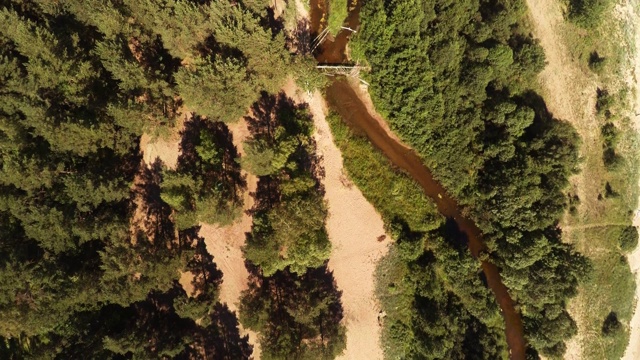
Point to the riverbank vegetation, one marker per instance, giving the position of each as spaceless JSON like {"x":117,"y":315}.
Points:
{"x":338,"y":11}
{"x":431,"y":290}
{"x":455,"y":81}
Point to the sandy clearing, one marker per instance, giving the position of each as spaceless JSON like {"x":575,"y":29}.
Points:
{"x":225,"y":243}
{"x":186,"y":281}
{"x":353,"y":226}
{"x":632,"y":10}
{"x":167,"y":149}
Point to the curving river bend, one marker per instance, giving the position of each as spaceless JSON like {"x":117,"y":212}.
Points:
{"x":345,"y":99}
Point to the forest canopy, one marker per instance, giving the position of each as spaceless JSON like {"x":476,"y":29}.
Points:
{"x":94,"y":240}
{"x":455,"y":80}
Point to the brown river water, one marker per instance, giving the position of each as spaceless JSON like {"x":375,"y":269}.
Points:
{"x":344,"y":97}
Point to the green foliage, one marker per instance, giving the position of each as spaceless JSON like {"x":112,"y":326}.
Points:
{"x":81,"y":82}
{"x":296,"y":316}
{"x":436,"y":306}
{"x":203,"y":88}
{"x":628,"y":239}
{"x":204,"y":187}
{"x":610,"y":137}
{"x":398,"y":198}
{"x":454,"y":81}
{"x":604,"y":102}
{"x":308,"y":78}
{"x":588,"y":13}
{"x":338,"y":11}
{"x":288,"y":229}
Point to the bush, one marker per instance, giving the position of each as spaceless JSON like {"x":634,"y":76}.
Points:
{"x":628,"y":239}
{"x":610,"y":136}
{"x":611,"y":325}
{"x":596,"y":63}
{"x":588,"y":13}
{"x":604,"y":102}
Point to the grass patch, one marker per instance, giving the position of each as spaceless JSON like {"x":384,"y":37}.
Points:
{"x":589,"y":13}
{"x":604,"y":305}
{"x":338,"y":11}
{"x":393,"y":193}
{"x":396,"y":298}
{"x":609,"y":289}
{"x":597,"y":49}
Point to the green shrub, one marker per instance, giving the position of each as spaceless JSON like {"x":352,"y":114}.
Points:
{"x":611,"y":325}
{"x":596,"y":63}
{"x":628,"y":239}
{"x":588,"y":13}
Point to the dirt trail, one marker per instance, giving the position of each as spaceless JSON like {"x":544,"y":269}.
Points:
{"x":353,"y":226}
{"x":570,"y":95}
{"x":632,"y":10}
{"x":225,"y":243}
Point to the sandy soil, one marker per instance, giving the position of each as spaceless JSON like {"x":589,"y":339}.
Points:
{"x":225,"y":243}
{"x":167,"y":149}
{"x":633,"y":349}
{"x":186,"y":281}
{"x":353,"y":226}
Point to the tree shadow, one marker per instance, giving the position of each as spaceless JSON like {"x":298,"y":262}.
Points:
{"x":153,"y":223}
{"x":455,"y":237}
{"x":206,"y":275}
{"x":298,"y":316}
{"x":226,"y":342}
{"x":270,"y":22}
{"x":299,"y":39}
{"x":266,"y":196}
{"x":222,"y":171}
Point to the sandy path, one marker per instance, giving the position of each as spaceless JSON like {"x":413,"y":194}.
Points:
{"x":353,"y":226}
{"x":633,"y":349}
{"x":225,"y":243}
{"x":570,"y":95}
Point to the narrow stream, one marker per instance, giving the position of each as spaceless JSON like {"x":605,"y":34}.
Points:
{"x":343,"y":98}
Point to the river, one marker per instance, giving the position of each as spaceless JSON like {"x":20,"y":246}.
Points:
{"x":344,"y":97}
